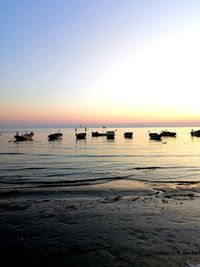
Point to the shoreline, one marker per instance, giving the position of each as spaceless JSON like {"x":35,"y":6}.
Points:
{"x":120,"y":223}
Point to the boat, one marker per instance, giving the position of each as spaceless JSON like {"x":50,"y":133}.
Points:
{"x":155,"y":136}
{"x":128,"y":135}
{"x":24,"y":137}
{"x":80,"y":135}
{"x":110,"y":134}
{"x":168,"y":134}
{"x":55,"y":136}
{"x":195,"y":133}
{"x":97,"y":134}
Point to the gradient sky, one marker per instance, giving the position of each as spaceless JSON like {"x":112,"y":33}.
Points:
{"x":99,"y":61}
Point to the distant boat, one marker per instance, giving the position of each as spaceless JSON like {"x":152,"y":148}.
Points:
{"x":110,"y":134}
{"x":155,"y":136}
{"x":97,"y":134}
{"x":168,"y":134}
{"x":80,"y":135}
{"x":128,"y":135}
{"x":24,"y":137}
{"x":195,"y":133}
{"x":55,"y":136}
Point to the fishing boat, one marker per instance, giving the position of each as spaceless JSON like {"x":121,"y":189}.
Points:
{"x":110,"y":134}
{"x":168,"y":134}
{"x":155,"y":136}
{"x":80,"y":135}
{"x":97,"y":134}
{"x":24,"y":137}
{"x":55,"y":136}
{"x":128,"y":135}
{"x":195,"y":133}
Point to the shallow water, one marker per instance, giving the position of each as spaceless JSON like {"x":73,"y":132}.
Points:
{"x":96,"y":202}
{"x":42,"y":164}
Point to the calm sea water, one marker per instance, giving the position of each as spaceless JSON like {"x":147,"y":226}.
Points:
{"x":70,"y":162}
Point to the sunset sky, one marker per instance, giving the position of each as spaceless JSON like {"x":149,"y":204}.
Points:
{"x":99,"y":62}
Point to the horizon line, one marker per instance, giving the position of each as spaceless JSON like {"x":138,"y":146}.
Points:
{"x":98,"y":125}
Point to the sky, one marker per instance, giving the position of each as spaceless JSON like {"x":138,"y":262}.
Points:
{"x":99,"y":62}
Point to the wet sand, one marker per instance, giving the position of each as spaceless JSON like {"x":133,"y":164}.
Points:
{"x":122,"y":223}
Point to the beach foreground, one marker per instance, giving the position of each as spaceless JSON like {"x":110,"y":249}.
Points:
{"x":122,"y":223}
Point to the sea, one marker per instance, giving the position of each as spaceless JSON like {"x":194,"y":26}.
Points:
{"x":53,"y":165}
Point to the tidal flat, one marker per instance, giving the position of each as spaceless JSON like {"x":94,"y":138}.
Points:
{"x":120,"y":223}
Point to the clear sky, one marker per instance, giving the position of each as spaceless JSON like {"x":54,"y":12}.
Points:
{"x":99,"y":62}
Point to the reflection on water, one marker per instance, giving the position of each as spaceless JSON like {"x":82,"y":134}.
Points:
{"x":97,"y":160}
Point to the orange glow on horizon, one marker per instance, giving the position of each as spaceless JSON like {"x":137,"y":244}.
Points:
{"x":96,"y":118}
{"x":97,"y":115}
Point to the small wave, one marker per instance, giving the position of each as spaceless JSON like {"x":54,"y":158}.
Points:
{"x":46,"y":183}
{"x":145,"y":168}
{"x":62,"y":174}
{"x":165,"y":181}
{"x":40,"y":168}
{"x":46,"y":168}
{"x":28,"y":169}
{"x":46,"y":155}
{"x":17,"y":176}
{"x":165,"y":168}
{"x":12,"y":153}
{"x":45,"y":186}
{"x":31,"y":169}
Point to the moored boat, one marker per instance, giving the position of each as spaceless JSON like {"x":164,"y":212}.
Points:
{"x":97,"y":134}
{"x":195,"y":133}
{"x":128,"y":135}
{"x":110,"y":134}
{"x":24,"y":137}
{"x":55,"y":136}
{"x":155,"y":136}
{"x":168,"y":134}
{"x":80,"y":135}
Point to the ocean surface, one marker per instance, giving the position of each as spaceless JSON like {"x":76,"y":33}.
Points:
{"x":53,"y":165}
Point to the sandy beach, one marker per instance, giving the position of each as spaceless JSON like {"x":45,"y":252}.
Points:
{"x":113,"y":224}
